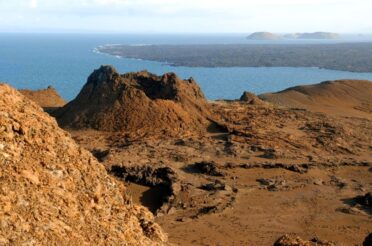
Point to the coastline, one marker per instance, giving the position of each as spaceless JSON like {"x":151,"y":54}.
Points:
{"x":269,"y":55}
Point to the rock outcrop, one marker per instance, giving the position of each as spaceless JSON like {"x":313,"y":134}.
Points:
{"x":251,"y":98}
{"x":290,"y":240}
{"x":48,"y":98}
{"x":53,"y":192}
{"x":137,"y":102}
{"x":365,"y":200}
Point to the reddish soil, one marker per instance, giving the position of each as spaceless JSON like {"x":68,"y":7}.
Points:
{"x":48,"y":98}
{"x":342,"y":98}
{"x":234,"y":172}
{"x":53,"y":192}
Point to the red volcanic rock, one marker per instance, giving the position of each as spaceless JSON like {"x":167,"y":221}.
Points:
{"x":137,"y":102}
{"x":290,"y":240}
{"x":47,"y":98}
{"x":53,"y":192}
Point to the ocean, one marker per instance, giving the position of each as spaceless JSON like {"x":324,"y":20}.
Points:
{"x":64,"y":61}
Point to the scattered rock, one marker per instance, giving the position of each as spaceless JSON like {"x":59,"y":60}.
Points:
{"x":266,"y":182}
{"x":101,"y":155}
{"x":291,"y":240}
{"x":340,"y":183}
{"x":208,"y":168}
{"x":162,"y":177}
{"x":172,"y":210}
{"x":274,"y":184}
{"x":208,"y":210}
{"x":217,"y":185}
{"x":365,"y":200}
{"x":269,"y":154}
{"x":146,"y":174}
{"x":302,"y":168}
{"x":318,"y":182}
{"x":184,"y":219}
{"x":355,"y":210}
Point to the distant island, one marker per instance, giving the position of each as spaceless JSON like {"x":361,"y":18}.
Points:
{"x":353,"y":57}
{"x":317,"y":35}
{"x":273,"y":36}
{"x":263,"y":36}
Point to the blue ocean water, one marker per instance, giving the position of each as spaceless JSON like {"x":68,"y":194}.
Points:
{"x":64,"y":61}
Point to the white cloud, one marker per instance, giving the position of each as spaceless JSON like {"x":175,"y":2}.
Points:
{"x":189,"y":15}
{"x":33,"y":4}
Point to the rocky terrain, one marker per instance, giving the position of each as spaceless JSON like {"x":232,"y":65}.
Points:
{"x":53,"y":192}
{"x":48,"y":98}
{"x":140,"y":103}
{"x":244,"y":172}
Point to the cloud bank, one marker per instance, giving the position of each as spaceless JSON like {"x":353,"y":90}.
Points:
{"x":185,"y":15}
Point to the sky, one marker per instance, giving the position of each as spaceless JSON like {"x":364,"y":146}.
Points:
{"x":186,"y":16}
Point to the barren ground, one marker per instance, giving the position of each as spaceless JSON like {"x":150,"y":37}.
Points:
{"x":268,"y":172}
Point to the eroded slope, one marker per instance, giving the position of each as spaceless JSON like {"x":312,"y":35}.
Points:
{"x":47,"y":98}
{"x":53,"y":192}
{"x":140,"y":103}
{"x":341,"y":97}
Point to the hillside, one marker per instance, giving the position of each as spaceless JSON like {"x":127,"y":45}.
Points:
{"x":218,"y":186}
{"x":47,"y":98}
{"x":53,"y":192}
{"x":137,"y":102}
{"x":213,"y":187}
{"x":342,"y":97}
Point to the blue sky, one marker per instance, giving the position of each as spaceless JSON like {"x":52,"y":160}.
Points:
{"x":185,"y":16}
